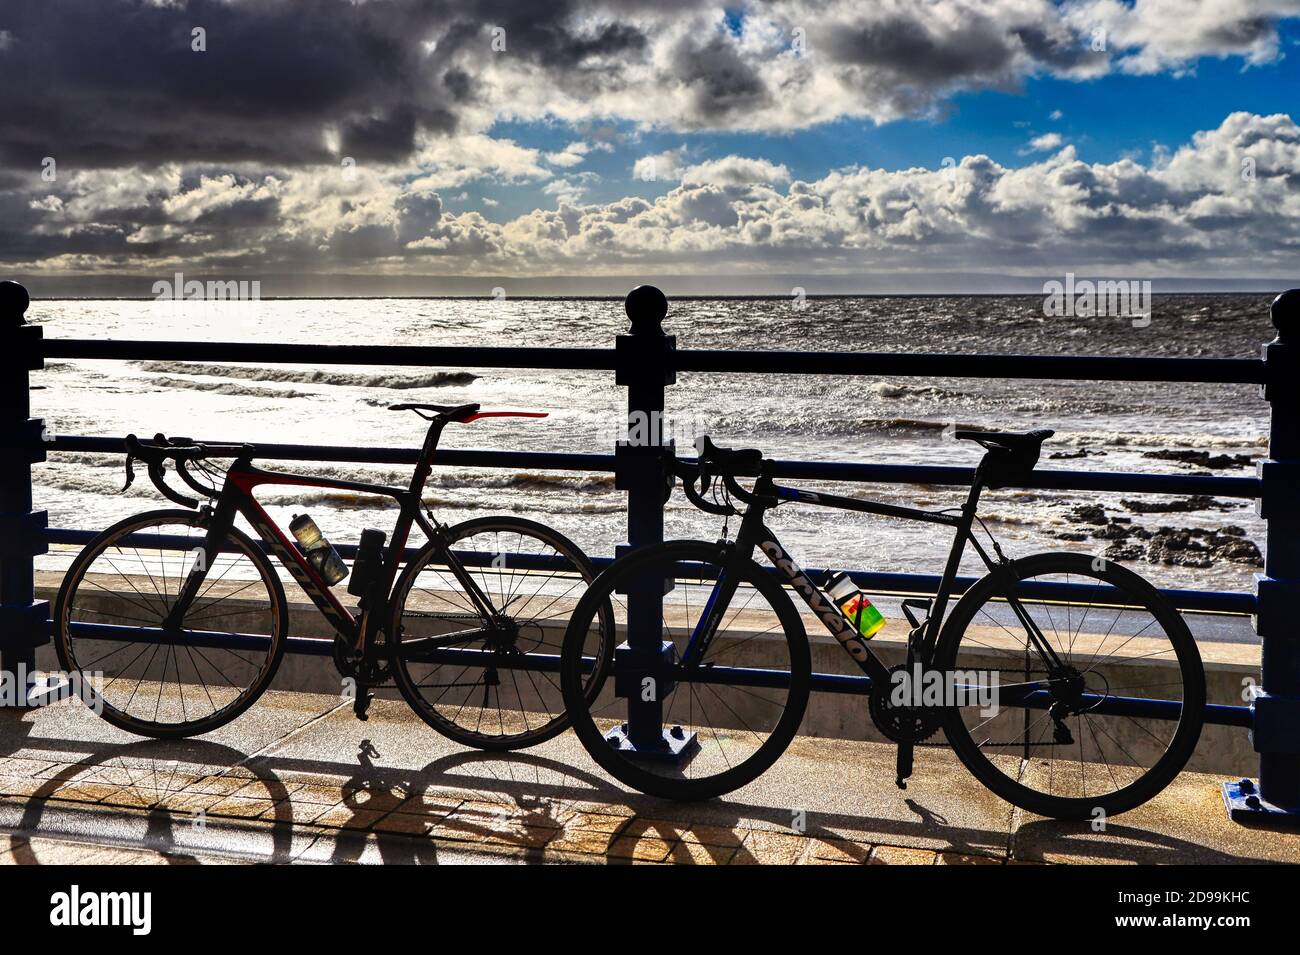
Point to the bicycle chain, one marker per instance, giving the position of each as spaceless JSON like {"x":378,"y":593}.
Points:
{"x":1018,"y":672}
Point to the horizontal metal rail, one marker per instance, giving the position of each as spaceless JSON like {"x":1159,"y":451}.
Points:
{"x":1210,"y":601}
{"x":848,"y":472}
{"x":1029,"y":367}
{"x":424,"y":356}
{"x":722,"y":675}
{"x":1244,"y":371}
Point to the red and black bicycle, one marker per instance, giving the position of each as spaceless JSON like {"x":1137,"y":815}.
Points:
{"x":177,"y":620}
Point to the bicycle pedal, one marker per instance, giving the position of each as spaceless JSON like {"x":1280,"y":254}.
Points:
{"x":903,"y":765}
{"x":361,"y":703}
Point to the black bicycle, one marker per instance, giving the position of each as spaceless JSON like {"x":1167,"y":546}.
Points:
{"x":1065,"y":683}
{"x":178,"y":620}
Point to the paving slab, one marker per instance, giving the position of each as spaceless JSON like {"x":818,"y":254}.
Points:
{"x":298,"y":779}
{"x":1186,"y":824}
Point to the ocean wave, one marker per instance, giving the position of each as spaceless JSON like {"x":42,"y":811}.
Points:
{"x":529,"y":481}
{"x":893,"y":389}
{"x":1140,"y":441}
{"x":905,"y":424}
{"x":86,"y":472}
{"x":230,"y":388}
{"x":311,"y":376}
{"x":348,"y":500}
{"x":95,"y":483}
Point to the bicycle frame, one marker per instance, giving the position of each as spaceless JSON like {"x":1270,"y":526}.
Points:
{"x":237,"y":497}
{"x":754,"y":533}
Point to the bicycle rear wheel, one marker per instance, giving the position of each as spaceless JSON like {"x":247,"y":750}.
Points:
{"x":494,"y":686}
{"x":1091,"y":737}
{"x":108,"y":626}
{"x":734,"y":725}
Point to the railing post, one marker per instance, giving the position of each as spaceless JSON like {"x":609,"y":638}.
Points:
{"x":22,"y":531}
{"x":642,"y":468}
{"x":1276,"y":706}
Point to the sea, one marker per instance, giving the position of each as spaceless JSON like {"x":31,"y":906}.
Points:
{"x":875,"y":417}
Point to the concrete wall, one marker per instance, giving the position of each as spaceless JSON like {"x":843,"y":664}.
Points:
{"x":1221,"y":749}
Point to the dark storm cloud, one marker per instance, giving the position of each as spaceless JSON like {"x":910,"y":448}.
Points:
{"x":114,"y":82}
{"x":720,"y":81}
{"x":909,"y":48}
{"x":104,"y":82}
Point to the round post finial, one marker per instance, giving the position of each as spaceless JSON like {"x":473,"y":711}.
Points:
{"x":1286,"y":315}
{"x":646,"y":306}
{"x":13,"y":303}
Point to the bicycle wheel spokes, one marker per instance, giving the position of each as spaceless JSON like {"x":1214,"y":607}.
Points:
{"x":731,"y":714}
{"x":492,"y":680}
{"x":1102,"y":725}
{"x":169,"y":681}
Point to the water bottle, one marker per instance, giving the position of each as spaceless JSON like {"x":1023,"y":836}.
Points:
{"x":853,"y":603}
{"x":319,"y":552}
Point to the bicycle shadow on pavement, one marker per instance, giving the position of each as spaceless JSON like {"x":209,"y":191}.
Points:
{"x":1054,"y":840}
{"x":537,"y":803}
{"x":169,"y":784}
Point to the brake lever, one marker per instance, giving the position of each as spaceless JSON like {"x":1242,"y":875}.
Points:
{"x":130,"y":474}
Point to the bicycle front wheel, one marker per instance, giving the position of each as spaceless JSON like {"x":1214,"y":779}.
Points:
{"x":179,"y":682}
{"x":730,"y":714}
{"x":1103,"y":727}
{"x":490,"y":680}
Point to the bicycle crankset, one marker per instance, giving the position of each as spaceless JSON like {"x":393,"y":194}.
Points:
{"x":352,"y":664}
{"x":901,"y":723}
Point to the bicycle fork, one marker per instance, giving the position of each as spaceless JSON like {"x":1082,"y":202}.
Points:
{"x":220,"y":521}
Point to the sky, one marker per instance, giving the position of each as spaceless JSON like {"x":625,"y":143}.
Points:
{"x":834,"y":142}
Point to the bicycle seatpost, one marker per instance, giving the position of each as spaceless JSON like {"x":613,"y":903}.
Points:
{"x":424,"y":465}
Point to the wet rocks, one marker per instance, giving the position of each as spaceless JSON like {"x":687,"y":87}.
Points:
{"x":1080,"y":453}
{"x":1088,"y":514}
{"x":1197,"y":502}
{"x":1185,"y":546}
{"x":1201,"y":547}
{"x":1181,"y":546}
{"x":1203,"y":459}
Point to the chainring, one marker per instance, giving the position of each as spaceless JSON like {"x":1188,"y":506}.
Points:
{"x":349,"y":663}
{"x":902,"y":724}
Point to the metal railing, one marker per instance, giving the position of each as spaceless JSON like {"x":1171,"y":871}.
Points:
{"x":646,"y":361}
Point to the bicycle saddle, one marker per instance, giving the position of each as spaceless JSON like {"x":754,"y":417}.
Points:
{"x":1008,"y":440}
{"x":450,"y":412}
{"x":1011,"y":454}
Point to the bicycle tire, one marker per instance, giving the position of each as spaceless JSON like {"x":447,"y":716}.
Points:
{"x":409,"y":683}
{"x":65,"y":644}
{"x":1139,"y":593}
{"x":622,"y":767}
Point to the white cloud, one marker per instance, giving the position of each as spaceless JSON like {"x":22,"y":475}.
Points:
{"x":451,"y":162}
{"x":1152,"y":36}
{"x":661,"y":167}
{"x":1190,"y":210}
{"x":570,"y":155}
{"x":1044,"y":143}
